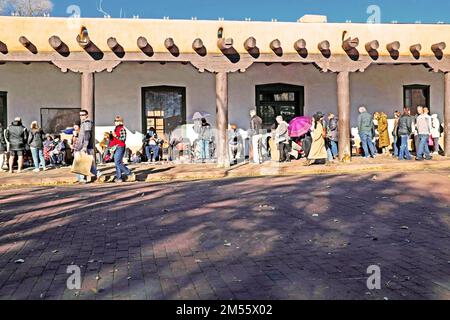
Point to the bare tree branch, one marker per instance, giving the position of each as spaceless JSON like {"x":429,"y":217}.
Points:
{"x":26,"y":7}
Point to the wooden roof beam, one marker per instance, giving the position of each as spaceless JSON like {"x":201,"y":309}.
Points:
{"x":415,"y":50}
{"x":115,"y":47}
{"x":28,"y":44}
{"x":170,"y":45}
{"x":324,"y":48}
{"x":59,"y":46}
{"x":225,"y":44}
{"x":438,"y":49}
{"x":83,"y":38}
{"x":3,"y":48}
{"x":275,"y":45}
{"x":85,"y":42}
{"x":300,"y":47}
{"x":393,"y":49}
{"x":145,"y":47}
{"x":199,"y":47}
{"x":372,"y":49}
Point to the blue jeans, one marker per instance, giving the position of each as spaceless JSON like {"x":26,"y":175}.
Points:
{"x":334,"y":148}
{"x":423,"y":147}
{"x":367,"y":144}
{"x":118,"y":161}
{"x":204,"y":149}
{"x":149,"y":149}
{"x":80,"y":177}
{"x":396,"y":150}
{"x":38,"y":158}
{"x":404,"y":150}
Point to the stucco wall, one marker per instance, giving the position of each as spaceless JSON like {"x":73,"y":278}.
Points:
{"x":31,"y":87}
{"x":37,"y":85}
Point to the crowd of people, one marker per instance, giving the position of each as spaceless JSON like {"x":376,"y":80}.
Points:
{"x":319,"y":145}
{"x":420,"y":133}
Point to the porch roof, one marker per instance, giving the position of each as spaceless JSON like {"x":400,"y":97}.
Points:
{"x":38,"y":30}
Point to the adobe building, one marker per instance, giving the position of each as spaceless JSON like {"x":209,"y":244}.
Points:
{"x":162,"y":71}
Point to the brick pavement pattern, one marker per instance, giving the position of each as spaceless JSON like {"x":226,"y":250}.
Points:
{"x":304,"y":237}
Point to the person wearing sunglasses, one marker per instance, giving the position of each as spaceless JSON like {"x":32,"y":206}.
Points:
{"x":85,"y":143}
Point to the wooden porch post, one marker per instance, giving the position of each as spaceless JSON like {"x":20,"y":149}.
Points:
{"x":88,"y":96}
{"x":447,"y":115}
{"x":222,"y":119}
{"x":343,"y":93}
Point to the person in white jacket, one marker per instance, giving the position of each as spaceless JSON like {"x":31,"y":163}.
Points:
{"x":435,"y":132}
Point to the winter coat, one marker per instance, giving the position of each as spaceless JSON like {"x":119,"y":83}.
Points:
{"x":85,"y":136}
{"x":256,"y":125}
{"x":36,"y":139}
{"x":318,"y":150}
{"x":435,"y":127}
{"x":383,"y":131}
{"x":333,"y":129}
{"x":281,"y":134}
{"x":17,"y":136}
{"x":404,"y":125}
{"x":365,"y":123}
{"x":204,"y":131}
{"x":3,"y":146}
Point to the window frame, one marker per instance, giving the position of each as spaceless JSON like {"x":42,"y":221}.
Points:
{"x":275,"y":88}
{"x":427,"y":91}
{"x":162,"y":89}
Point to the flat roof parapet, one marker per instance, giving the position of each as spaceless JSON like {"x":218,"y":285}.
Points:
{"x":313,"y":18}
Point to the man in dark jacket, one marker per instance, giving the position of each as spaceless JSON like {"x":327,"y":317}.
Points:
{"x":3,"y":146}
{"x":366,"y":131}
{"x":85,"y":143}
{"x":17,"y":135}
{"x":404,"y":132}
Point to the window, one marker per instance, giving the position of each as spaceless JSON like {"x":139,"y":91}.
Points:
{"x":3,"y":110}
{"x":55,"y":120}
{"x":273,"y":100}
{"x":416,"y":95}
{"x":163,"y":108}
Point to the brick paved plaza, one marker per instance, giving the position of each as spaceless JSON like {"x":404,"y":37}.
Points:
{"x":303,"y":237}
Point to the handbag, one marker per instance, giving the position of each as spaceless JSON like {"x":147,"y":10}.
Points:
{"x":82,"y":164}
{"x":430,"y":140}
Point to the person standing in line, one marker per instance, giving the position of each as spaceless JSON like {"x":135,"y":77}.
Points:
{"x":396,"y":144}
{"x":366,"y":132}
{"x":256,"y":136}
{"x":416,"y":134}
{"x":333,"y":134}
{"x":85,"y":143}
{"x":282,"y":139}
{"x":16,"y":135}
{"x":423,"y":127}
{"x":435,"y":132}
{"x":203,"y":129}
{"x":3,"y":147}
{"x":383,"y":132}
{"x":318,"y":151}
{"x":36,"y":142}
{"x":404,"y":133}
{"x":119,"y":141}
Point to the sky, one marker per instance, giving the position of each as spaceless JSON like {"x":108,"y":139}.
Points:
{"x":403,"y":11}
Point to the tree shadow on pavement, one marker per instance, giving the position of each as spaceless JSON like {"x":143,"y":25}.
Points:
{"x":309,"y":237}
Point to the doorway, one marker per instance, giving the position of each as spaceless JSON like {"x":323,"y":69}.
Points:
{"x":278,"y":99}
{"x":3,"y":109}
{"x":163,"y":108}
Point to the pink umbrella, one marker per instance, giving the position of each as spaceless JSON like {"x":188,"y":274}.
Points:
{"x":299,"y":126}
